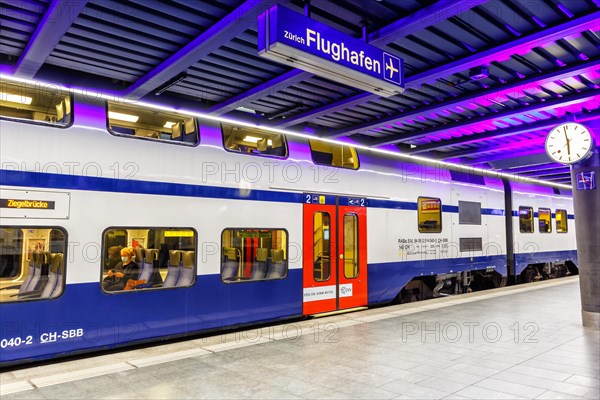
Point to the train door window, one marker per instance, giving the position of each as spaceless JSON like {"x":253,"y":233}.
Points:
{"x":526,"y":219}
{"x":241,"y":139}
{"x":545,"y":220}
{"x":145,"y":123}
{"x":429,"y":215}
{"x":32,"y":263}
{"x":35,"y":103}
{"x":333,"y":154}
{"x":469,"y":213}
{"x":350,"y":246}
{"x":251,"y":254}
{"x":321,"y":246}
{"x":561,"y":221}
{"x":136,"y":259}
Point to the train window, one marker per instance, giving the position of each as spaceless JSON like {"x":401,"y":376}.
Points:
{"x":321,"y":246}
{"x":350,"y":246}
{"x":145,"y":123}
{"x":47,"y":105}
{"x":135,"y":259}
{"x":526,"y":219}
{"x":430,"y":215}
{"x":241,"y":139}
{"x":32,"y":263}
{"x":545,"y":220}
{"x":561,"y":221}
{"x":469,"y":213}
{"x":333,"y":154}
{"x":253,"y":254}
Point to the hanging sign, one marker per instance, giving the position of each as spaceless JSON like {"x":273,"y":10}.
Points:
{"x":301,"y":42}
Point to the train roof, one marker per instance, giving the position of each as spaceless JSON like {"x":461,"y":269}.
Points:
{"x":485,"y":80}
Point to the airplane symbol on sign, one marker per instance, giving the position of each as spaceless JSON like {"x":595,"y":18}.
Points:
{"x":390,"y":67}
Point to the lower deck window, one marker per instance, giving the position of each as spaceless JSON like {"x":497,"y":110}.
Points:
{"x":148,"y":258}
{"x":32,"y":261}
{"x":253,"y":254}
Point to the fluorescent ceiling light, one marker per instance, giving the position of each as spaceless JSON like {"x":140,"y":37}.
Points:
{"x":246,"y":109}
{"x":169,"y":124}
{"x":252,"y":139}
{"x":123,"y":117}
{"x":15,"y":98}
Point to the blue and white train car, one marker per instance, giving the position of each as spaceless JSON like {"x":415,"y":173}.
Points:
{"x":230,"y":225}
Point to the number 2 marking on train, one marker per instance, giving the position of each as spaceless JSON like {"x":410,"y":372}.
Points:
{"x":308,"y":198}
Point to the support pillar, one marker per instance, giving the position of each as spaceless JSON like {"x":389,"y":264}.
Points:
{"x":587,"y":229}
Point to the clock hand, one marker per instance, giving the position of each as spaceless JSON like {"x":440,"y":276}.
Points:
{"x":568,"y":143}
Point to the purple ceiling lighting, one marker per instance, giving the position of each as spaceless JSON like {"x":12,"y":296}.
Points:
{"x":226,"y":29}
{"x":56,"y":21}
{"x":403,"y":27}
{"x":524,"y":44}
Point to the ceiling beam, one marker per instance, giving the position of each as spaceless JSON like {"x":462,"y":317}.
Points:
{"x":501,"y":52}
{"x":509,"y":160}
{"x":493,"y":93}
{"x":425,"y":17}
{"x":533,"y":168}
{"x":514,"y":146}
{"x":565,"y":169}
{"x":513,"y":112}
{"x":51,"y":28}
{"x":501,"y":133}
{"x":418,"y":21}
{"x":208,"y":41}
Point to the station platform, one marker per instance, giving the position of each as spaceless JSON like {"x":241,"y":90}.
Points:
{"x":522,"y":342}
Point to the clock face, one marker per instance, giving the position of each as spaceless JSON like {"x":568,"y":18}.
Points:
{"x":569,"y":143}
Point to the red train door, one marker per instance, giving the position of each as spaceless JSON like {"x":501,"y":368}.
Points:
{"x":335,"y":253}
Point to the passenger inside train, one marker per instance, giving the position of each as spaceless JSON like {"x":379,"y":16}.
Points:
{"x":127,"y":270}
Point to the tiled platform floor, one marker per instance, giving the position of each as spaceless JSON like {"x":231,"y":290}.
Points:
{"x":513,"y":343}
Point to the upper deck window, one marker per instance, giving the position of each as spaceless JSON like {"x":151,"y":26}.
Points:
{"x":333,"y":154}
{"x":42,"y":104}
{"x":241,"y":139}
{"x":146,"y":123}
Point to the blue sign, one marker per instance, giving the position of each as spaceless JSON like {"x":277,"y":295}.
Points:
{"x":357,"y":201}
{"x":586,"y":180}
{"x":298,"y":41}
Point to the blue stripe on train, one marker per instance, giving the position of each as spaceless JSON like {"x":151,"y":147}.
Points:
{"x":109,"y":320}
{"x":120,"y":318}
{"x":73,"y":182}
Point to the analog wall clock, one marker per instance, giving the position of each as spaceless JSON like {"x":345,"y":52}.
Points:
{"x":569,"y":143}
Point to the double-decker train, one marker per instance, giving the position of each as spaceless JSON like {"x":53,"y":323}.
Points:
{"x":232,"y":224}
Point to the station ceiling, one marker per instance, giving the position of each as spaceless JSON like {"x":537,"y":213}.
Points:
{"x":542,"y":58}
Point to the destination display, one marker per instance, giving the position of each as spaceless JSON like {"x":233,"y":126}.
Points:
{"x":301,"y":42}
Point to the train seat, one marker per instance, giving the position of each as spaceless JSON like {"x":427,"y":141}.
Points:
{"x":176,"y":131}
{"x":186,"y":276}
{"x":149,"y":269}
{"x":277,"y":265}
{"x":230,"y":265}
{"x":189,"y":135}
{"x":259,"y":268}
{"x":54,"y":285}
{"x":39,"y":277}
{"x":174,"y":268}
